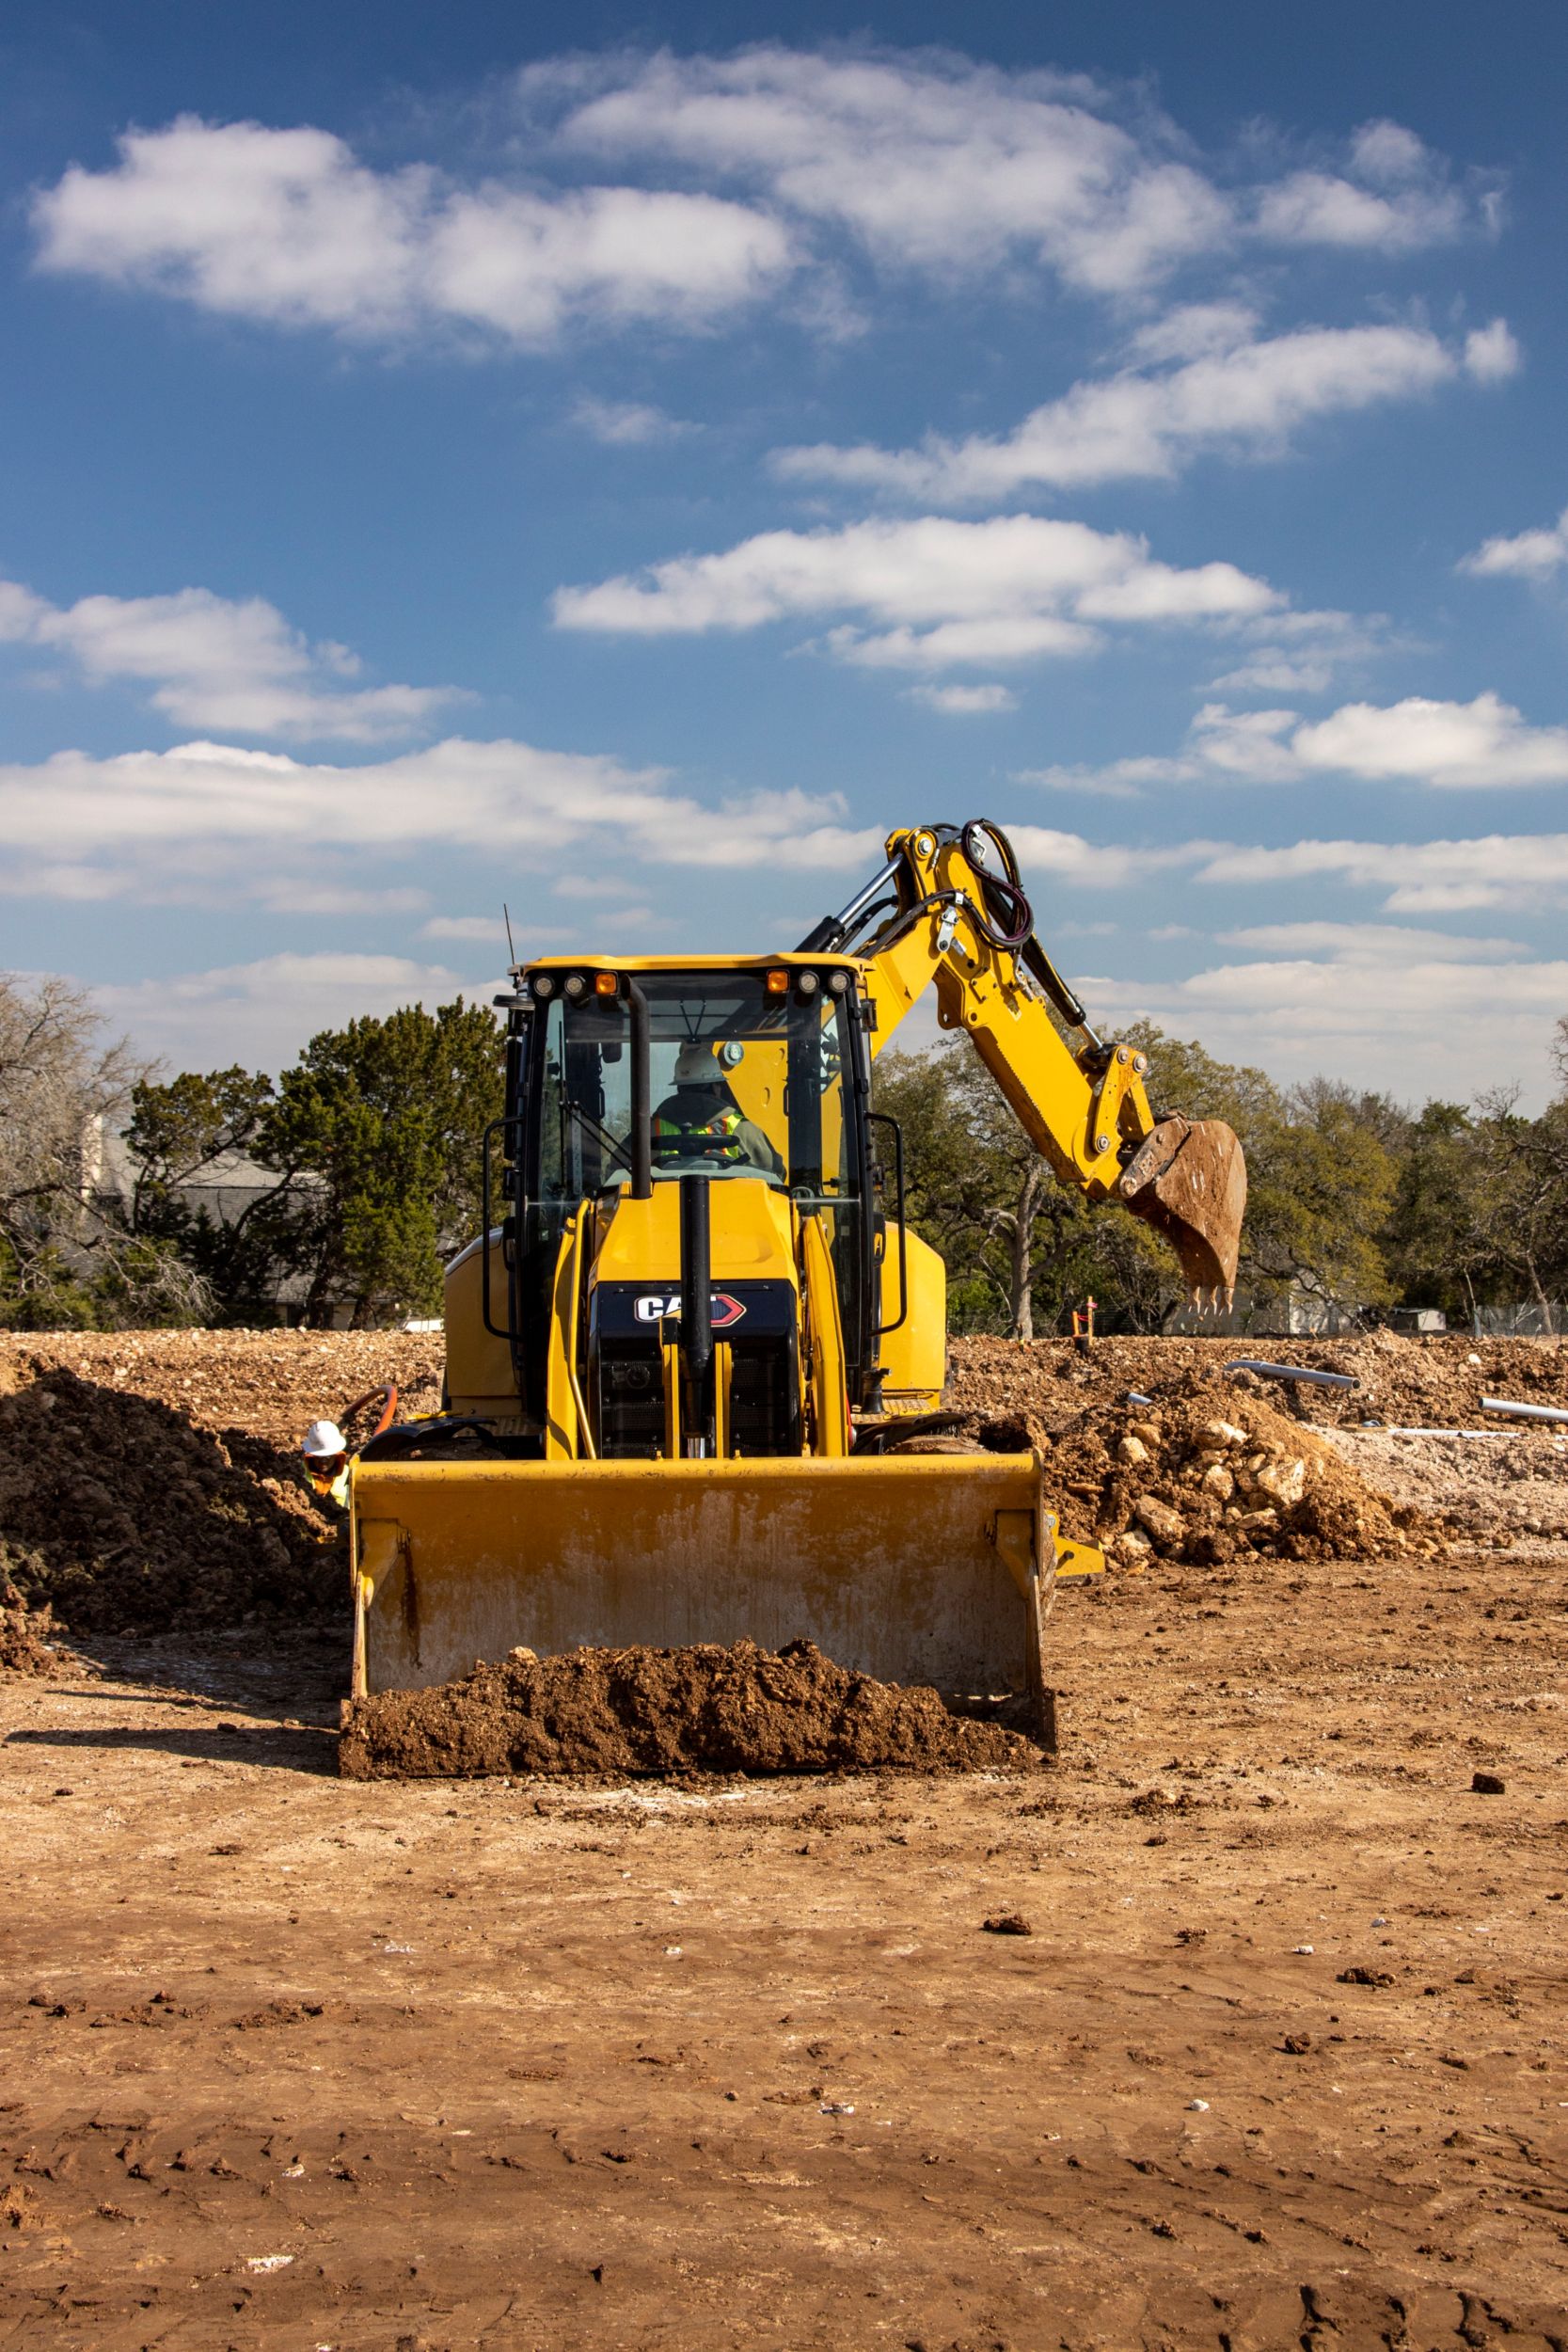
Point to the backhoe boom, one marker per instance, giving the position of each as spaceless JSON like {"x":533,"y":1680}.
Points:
{"x":948,"y":910}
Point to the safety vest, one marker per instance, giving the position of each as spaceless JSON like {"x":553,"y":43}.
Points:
{"x":333,"y":1489}
{"x":715,"y":1138}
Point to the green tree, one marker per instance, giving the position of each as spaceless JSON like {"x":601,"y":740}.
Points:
{"x":1520,"y":1212}
{"x":376,"y":1133}
{"x":1433,"y":1241}
{"x":184,"y":1131}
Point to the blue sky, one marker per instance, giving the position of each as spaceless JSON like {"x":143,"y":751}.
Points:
{"x":577,"y":460}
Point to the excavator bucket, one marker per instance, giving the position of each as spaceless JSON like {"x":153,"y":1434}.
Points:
{"x":1188,"y":1180}
{"x":921,"y":1571}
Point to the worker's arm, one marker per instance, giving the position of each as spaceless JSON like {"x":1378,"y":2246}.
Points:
{"x":951,"y":914}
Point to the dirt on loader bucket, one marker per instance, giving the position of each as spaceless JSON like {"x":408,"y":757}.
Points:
{"x":1188,"y":1181}
{"x":925,"y":1571}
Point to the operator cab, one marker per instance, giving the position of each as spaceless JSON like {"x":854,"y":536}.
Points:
{"x":756,"y":1072}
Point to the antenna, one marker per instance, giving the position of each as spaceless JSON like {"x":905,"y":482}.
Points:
{"x":511,"y":951}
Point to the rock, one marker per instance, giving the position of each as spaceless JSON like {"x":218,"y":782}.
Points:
{"x":1217,"y":1481}
{"x":1165,"y":1525}
{"x":1149,"y":1432}
{"x":1135,"y":1545}
{"x":1223,"y":1435}
{"x":1131,"y":1450}
{"x":1286,"y":1481}
{"x":1006,"y":1923}
{"x":1258,"y":1519}
{"x":1488,"y":1785}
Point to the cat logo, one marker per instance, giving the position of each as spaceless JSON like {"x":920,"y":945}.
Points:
{"x":654,"y":1306}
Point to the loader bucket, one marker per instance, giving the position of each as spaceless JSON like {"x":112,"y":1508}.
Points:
{"x":921,"y":1571}
{"x":1188,"y":1180}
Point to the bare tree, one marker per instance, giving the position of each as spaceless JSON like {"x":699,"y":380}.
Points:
{"x":61,"y":1241}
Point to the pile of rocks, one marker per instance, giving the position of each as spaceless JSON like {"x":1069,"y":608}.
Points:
{"x":1209,"y":1471}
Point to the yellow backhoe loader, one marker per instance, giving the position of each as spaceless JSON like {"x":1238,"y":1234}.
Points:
{"x":683,"y":1352}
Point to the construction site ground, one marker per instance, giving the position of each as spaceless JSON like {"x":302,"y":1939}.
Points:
{"x":292,"y":2061}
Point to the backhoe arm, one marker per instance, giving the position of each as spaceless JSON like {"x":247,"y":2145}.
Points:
{"x":948,"y":908}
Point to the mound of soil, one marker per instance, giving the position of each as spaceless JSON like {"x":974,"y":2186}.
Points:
{"x":1509,"y":1487}
{"x":1207,"y":1471}
{"x":272,"y":1383}
{"x":1421,"y":1381}
{"x":27,"y":1639}
{"x":628,"y":1713}
{"x":121,"y":1516}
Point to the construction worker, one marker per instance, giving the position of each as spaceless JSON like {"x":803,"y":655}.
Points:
{"x":703,"y":1122}
{"x":326,"y":1452}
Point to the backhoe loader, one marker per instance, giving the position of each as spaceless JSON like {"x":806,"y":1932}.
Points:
{"x":687,"y":1352}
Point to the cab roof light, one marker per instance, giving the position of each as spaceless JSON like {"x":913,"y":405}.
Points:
{"x":808,"y":983}
{"x":544,"y":984}
{"x":574,"y":986}
{"x":778,"y":981}
{"x":838,"y":983}
{"x":607,"y":984}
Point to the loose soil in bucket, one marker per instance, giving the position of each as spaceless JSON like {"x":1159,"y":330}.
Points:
{"x":630,"y":1713}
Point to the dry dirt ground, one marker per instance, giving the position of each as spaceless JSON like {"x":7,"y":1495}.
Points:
{"x":292,"y":2062}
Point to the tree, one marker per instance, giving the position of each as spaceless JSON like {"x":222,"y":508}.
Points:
{"x":182,"y":1131}
{"x":1520,"y":1212}
{"x":1022,"y":1249}
{"x":1321,"y":1175}
{"x":376,"y":1135}
{"x":66,"y":1256}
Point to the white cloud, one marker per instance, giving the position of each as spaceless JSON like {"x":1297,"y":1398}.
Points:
{"x":1532,"y":555}
{"x":625,"y":423}
{"x":928,"y":161}
{"x":260,"y":1013}
{"x":1300,"y":653}
{"x":289,"y":227}
{"x":1436,"y":1018}
{"x":964,"y":701}
{"x":1371,"y":943}
{"x":210,"y":822}
{"x":216,"y":661}
{"x":1068,"y":857}
{"x":1470,"y":746}
{"x":1459,"y":745}
{"x":929,"y":593}
{"x":902,"y":161}
{"x":1442,"y":876}
{"x":1240,"y":397}
{"x":1492,"y":353}
{"x":466,"y":927}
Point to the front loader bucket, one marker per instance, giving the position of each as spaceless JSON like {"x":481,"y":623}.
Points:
{"x":1188,"y":1180}
{"x":933,"y":1570}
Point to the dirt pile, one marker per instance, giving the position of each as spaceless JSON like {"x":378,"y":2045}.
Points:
{"x":1497,"y":1490}
{"x":272,"y":1383}
{"x":1424,"y":1382}
{"x":121,"y":1516}
{"x":633,"y":1713}
{"x":29,"y":1642}
{"x":1210,"y":1470}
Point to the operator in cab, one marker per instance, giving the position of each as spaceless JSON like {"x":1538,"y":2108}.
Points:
{"x":702,"y":1122}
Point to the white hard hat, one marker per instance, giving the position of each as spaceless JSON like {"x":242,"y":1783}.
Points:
{"x":696,"y":1067}
{"x":323,"y":1437}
